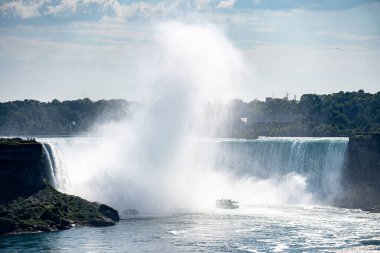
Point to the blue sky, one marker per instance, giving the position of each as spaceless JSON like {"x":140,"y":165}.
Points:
{"x":64,"y":48}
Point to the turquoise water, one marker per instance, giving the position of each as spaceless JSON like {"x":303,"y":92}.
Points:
{"x":248,"y":229}
{"x":264,"y":175}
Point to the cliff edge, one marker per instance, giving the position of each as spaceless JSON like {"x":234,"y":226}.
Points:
{"x":361,"y":173}
{"x":28,"y":203}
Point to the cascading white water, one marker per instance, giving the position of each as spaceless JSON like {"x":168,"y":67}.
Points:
{"x":55,"y":166}
{"x":153,"y":164}
{"x":319,"y":160}
{"x":262,"y":171}
{"x":50,"y":166}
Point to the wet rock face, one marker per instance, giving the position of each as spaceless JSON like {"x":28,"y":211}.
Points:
{"x":361,"y":174}
{"x":50,"y":210}
{"x":28,"y":203}
{"x":7,"y":225}
{"x":109,"y":212}
{"x":102,"y":222}
{"x":22,"y":169}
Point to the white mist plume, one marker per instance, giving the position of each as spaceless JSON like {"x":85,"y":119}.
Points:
{"x":149,"y":163}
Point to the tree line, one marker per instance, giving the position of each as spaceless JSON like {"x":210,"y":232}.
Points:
{"x":337,"y":114}
{"x":32,"y":117}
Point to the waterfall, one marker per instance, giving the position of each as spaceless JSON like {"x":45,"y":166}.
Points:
{"x":320,"y":160}
{"x":267,"y":170}
{"x":55,"y":166}
{"x":50,"y":166}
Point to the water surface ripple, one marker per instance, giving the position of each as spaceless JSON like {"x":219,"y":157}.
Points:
{"x":248,"y":229}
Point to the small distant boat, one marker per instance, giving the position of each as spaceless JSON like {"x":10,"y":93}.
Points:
{"x":226,"y":204}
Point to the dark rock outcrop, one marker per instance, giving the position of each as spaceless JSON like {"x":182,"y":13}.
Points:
{"x":28,"y":203}
{"x":109,"y":212}
{"x":102,"y":222}
{"x":22,"y":168}
{"x":50,"y":210}
{"x":361,"y":174}
{"x":7,"y":225}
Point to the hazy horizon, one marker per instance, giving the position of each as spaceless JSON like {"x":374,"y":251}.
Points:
{"x":95,"y":48}
{"x":137,"y":101}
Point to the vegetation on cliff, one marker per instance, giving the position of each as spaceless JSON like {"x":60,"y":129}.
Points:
{"x":337,"y":114}
{"x":32,"y":117}
{"x":16,"y":141}
{"x":49,"y":210}
{"x":28,"y":203}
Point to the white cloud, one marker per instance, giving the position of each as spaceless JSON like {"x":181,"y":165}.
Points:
{"x":226,"y":4}
{"x":201,"y":4}
{"x":37,"y":8}
{"x":24,"y":10}
{"x":64,"y":6}
{"x":145,"y":9}
{"x":277,"y":41}
{"x":74,"y":6}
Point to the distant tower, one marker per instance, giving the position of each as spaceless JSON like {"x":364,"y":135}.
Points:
{"x":295,"y":97}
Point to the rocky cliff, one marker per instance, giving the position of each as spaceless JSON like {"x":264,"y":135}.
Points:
{"x":29,"y":203}
{"x":361,"y":174}
{"x":22,"y":168}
